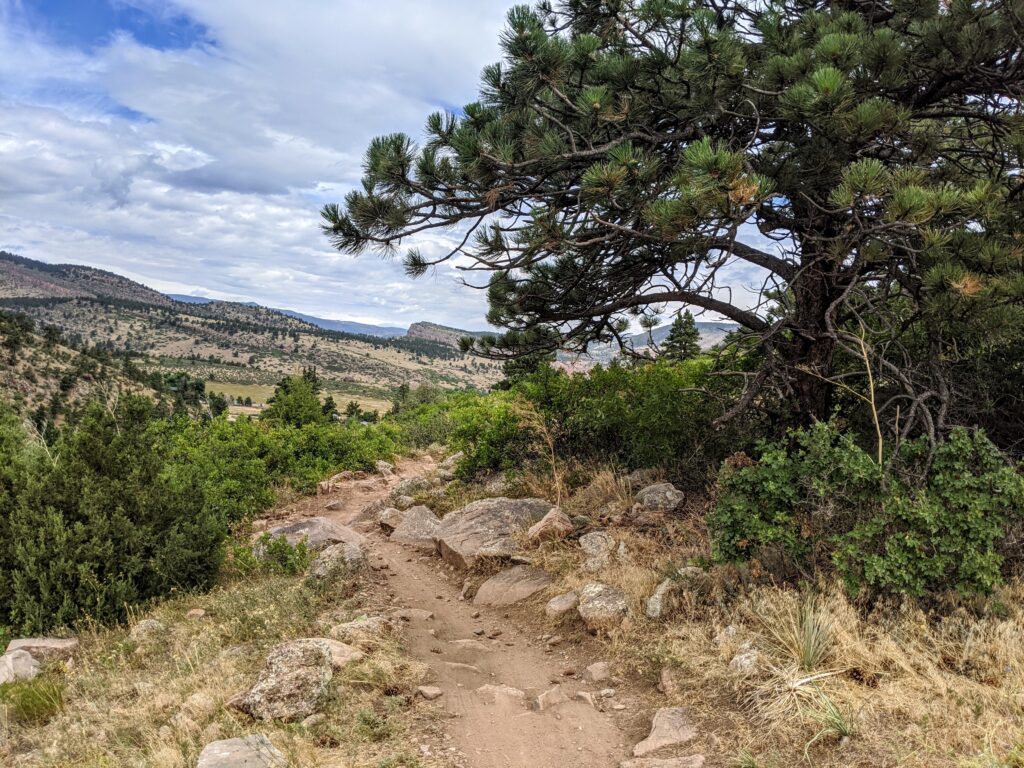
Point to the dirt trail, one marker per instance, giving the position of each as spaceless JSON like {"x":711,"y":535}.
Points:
{"x":495,"y":730}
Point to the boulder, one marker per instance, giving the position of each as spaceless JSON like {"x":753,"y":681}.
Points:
{"x":384,"y":468}
{"x":670,"y":728}
{"x":417,"y":529}
{"x":410,"y":486}
{"x":318,"y":533}
{"x":657,"y":604}
{"x":658,"y":499}
{"x":693,"y":761}
{"x":558,"y":607}
{"x":17,"y":666}
{"x":487,"y":528}
{"x":403,"y":502}
{"x":292,"y":685}
{"x":390,"y":518}
{"x":511,"y":586}
{"x":602,"y":607}
{"x":337,"y":558}
{"x":598,"y":547}
{"x":364,"y":632}
{"x":45,"y":648}
{"x":254,"y":751}
{"x":554,"y":526}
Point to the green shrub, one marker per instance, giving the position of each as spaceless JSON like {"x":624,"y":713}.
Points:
{"x":270,"y":555}
{"x":819,"y":500}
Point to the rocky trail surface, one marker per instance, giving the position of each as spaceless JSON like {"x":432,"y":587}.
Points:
{"x":511,"y":691}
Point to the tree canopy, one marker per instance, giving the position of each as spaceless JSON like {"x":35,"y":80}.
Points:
{"x":860,"y":160}
{"x":683,"y":340}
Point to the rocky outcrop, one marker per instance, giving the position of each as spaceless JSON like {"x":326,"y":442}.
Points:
{"x":670,"y":728}
{"x":318,"y":533}
{"x":17,"y":666}
{"x":247,"y":752}
{"x":337,"y":559}
{"x":554,"y":526}
{"x":512,"y":586}
{"x":418,"y":529}
{"x":602,"y":607}
{"x":292,"y":685}
{"x":45,"y":648}
{"x":487,"y":528}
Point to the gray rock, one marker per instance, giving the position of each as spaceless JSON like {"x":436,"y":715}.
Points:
{"x":410,"y":486}
{"x":452,"y":462}
{"x":554,"y":526}
{"x":417,"y":529}
{"x":247,"y":752}
{"x":318,"y":533}
{"x":292,"y":685}
{"x":602,"y":607}
{"x":745,"y":662}
{"x":670,"y":728}
{"x":17,"y":666}
{"x":390,"y":518}
{"x":487,"y":528}
{"x":44,"y":648}
{"x":558,"y":607}
{"x":550,"y":698}
{"x":598,"y":546}
{"x":693,"y":761}
{"x":384,"y":468}
{"x":657,"y":603}
{"x":598,"y":672}
{"x":429,"y":692}
{"x":640,"y":478}
{"x":337,"y":559}
{"x":658,"y":499}
{"x":512,"y":586}
{"x":364,"y":632}
{"x":403,"y":502}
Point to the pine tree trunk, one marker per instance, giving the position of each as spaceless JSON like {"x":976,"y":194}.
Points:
{"x":809,"y":355}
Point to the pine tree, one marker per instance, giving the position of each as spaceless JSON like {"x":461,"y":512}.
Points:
{"x":683,"y":341}
{"x":620,"y":151}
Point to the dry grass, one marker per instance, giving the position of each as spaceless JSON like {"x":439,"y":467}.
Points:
{"x":157,"y":703}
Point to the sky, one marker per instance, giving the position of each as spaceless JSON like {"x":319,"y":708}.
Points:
{"x":190,"y":144}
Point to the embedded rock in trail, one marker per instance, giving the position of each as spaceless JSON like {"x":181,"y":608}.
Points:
{"x":658,"y":499}
{"x":17,"y":666}
{"x":602,"y":607}
{"x":417,"y":529}
{"x":558,"y":607}
{"x":487,"y":528}
{"x":511,"y":586}
{"x":598,"y":546}
{"x":42,"y":648}
{"x":318,"y":533}
{"x":693,"y":761}
{"x":553,"y":526}
{"x":293,"y":685}
{"x":670,"y":727}
{"x":384,"y":468}
{"x":336,"y":559}
{"x":247,"y":752}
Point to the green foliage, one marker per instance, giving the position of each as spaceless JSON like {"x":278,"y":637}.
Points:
{"x":296,"y":402}
{"x":819,"y":500}
{"x":683,"y":341}
{"x":270,"y":555}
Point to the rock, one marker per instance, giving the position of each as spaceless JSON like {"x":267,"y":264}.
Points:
{"x":598,"y":547}
{"x":247,"y":752}
{"x":452,"y":462}
{"x":558,"y":607}
{"x":343,"y":477}
{"x":147,"y":629}
{"x":550,"y":698}
{"x":658,"y":499}
{"x":17,"y":666}
{"x":326,"y":487}
{"x":640,"y":478}
{"x":492,"y":693}
{"x":668,"y":682}
{"x":511,"y":586}
{"x":417,"y":529}
{"x":497,"y":486}
{"x":292,"y":685}
{"x":602,"y":607}
{"x":314,"y":721}
{"x":598,"y":672}
{"x":403,"y":502}
{"x":341,"y":654}
{"x":487,"y":528}
{"x":390,"y":518}
{"x":412,"y":614}
{"x":384,"y":468}
{"x":410,"y":486}
{"x":318,"y":533}
{"x":337,"y":558}
{"x":45,"y":648}
{"x":694,"y":761}
{"x":587,"y":697}
{"x":471,"y":645}
{"x":195,"y":614}
{"x":364,"y":632}
{"x":429,"y":692}
{"x":670,"y":728}
{"x":554,"y":526}
{"x":657,"y":603}
{"x":745,"y":662}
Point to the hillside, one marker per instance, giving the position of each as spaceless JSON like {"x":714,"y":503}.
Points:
{"x":244,"y":348}
{"x":441,"y":334}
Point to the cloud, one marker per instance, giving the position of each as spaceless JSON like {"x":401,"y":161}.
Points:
{"x":189,"y":144}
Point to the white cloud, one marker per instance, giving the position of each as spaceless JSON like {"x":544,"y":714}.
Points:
{"x":202,"y":169}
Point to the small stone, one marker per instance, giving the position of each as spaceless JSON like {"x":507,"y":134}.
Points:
{"x":587,"y":697}
{"x":248,"y":752}
{"x":384,"y":468}
{"x":550,"y":698}
{"x":556,"y":640}
{"x":475,"y":615}
{"x":429,"y":692}
{"x":413,"y":614}
{"x":554,"y":526}
{"x":598,"y":672}
{"x":607,"y":693}
{"x":745,"y":662}
{"x":669,"y":682}
{"x":656,"y":603}
{"x":558,"y":607}
{"x":598,"y":547}
{"x":17,"y":666}
{"x":478,"y":632}
{"x":669,"y":728}
{"x":492,"y":693}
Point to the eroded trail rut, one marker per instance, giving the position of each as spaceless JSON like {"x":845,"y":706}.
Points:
{"x":481,"y":658}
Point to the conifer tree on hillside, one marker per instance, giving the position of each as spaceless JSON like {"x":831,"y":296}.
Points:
{"x":863,"y":158}
{"x":683,"y":341}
